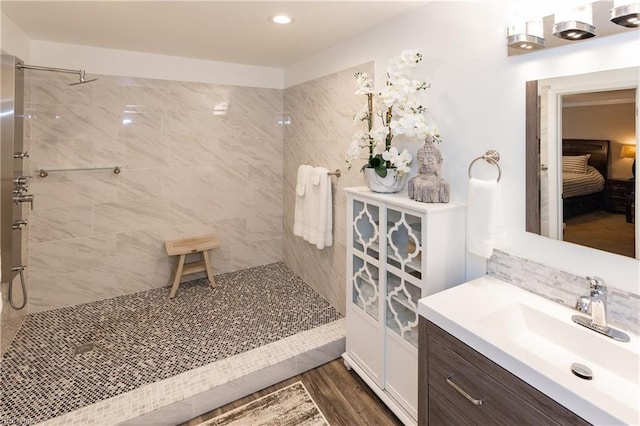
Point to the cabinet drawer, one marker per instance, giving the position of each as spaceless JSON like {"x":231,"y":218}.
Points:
{"x":443,"y":412}
{"x":499,"y":406}
{"x":515,"y":400}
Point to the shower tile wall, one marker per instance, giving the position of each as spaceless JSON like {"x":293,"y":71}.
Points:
{"x":320,"y":131}
{"x":196,"y":158}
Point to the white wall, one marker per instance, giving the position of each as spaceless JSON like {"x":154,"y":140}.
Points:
{"x":477,"y":98}
{"x":478,"y":101}
{"x":99,"y":60}
{"x":13,"y":40}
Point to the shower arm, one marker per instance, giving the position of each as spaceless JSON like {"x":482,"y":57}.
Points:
{"x":40,"y":68}
{"x":80,"y":73}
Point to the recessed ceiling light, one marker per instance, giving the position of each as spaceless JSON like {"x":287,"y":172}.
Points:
{"x":281,"y":19}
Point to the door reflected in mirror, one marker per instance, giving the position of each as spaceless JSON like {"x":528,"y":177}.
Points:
{"x":583,"y":176}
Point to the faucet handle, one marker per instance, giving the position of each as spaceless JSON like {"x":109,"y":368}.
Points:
{"x":596,"y":283}
{"x":583,"y":304}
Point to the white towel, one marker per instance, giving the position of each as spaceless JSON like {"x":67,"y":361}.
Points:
{"x":485,"y":224}
{"x":317,"y":215}
{"x":304,"y":172}
{"x":324,"y":228}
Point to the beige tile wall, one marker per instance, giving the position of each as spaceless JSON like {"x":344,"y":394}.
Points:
{"x":196,"y":158}
{"x":320,"y":131}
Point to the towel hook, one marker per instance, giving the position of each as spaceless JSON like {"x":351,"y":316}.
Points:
{"x":492,"y":157}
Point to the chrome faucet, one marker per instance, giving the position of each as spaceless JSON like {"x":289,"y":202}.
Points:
{"x":598,"y":297}
{"x":596,"y":305}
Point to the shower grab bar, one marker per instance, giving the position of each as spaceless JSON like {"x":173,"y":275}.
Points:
{"x":44,"y":173}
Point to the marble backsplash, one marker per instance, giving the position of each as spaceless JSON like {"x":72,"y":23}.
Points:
{"x":623,"y":308}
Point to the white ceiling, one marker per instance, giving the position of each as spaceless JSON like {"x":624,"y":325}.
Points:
{"x":227,"y":31}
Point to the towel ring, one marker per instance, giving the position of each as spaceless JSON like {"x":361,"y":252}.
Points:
{"x":492,"y":156}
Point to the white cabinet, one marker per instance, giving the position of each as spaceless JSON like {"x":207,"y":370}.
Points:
{"x":398,"y":251}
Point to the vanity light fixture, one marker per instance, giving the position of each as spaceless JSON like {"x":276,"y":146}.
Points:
{"x":626,"y":14}
{"x":527,"y":36}
{"x":281,"y":19}
{"x":574,"y":23}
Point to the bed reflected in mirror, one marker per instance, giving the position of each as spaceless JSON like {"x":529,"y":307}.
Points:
{"x":583,"y":173}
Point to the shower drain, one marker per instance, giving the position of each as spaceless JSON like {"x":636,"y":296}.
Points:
{"x":85,"y":347}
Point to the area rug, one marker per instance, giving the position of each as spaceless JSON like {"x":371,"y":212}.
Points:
{"x":289,"y":406}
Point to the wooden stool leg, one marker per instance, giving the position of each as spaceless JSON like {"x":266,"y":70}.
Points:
{"x":176,"y":281}
{"x":207,"y":265}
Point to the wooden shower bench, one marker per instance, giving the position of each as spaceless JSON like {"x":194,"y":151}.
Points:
{"x":186,"y":246}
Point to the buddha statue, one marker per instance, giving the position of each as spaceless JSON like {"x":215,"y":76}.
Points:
{"x":428,"y":186}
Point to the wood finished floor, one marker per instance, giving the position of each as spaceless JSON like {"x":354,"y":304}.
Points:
{"x":341,"y":395}
{"x":602,"y":230}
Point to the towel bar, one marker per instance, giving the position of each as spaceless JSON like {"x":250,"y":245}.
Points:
{"x":44,"y":173}
{"x":492,"y":157}
{"x":337,"y":173}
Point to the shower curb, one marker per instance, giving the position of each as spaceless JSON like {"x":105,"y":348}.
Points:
{"x":194,"y":392}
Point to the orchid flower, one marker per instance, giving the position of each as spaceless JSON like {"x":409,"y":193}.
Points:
{"x":397,"y":109}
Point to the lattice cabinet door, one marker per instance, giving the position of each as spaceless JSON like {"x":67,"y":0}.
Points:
{"x":404,"y":242}
{"x":365,"y":294}
{"x":398,"y":250}
{"x":403,"y":289}
{"x":366,"y":228}
{"x":404,"y":266}
{"x":402,"y":308}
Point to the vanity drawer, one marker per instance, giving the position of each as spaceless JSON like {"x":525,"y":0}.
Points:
{"x":499,"y":406}
{"x":506,"y":398}
{"x":443,"y":411}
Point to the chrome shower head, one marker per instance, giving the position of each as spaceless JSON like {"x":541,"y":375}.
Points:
{"x":82,"y":79}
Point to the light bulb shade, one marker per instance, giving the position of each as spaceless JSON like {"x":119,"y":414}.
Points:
{"x":526,"y":36}
{"x":525,"y":42}
{"x":628,"y":151}
{"x":574,"y":10}
{"x":574,"y":21}
{"x":626,"y":15}
{"x":573,"y":30}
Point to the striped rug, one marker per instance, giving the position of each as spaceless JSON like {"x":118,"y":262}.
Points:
{"x":289,"y":406}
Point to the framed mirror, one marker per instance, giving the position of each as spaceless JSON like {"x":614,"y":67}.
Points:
{"x":582,"y":134}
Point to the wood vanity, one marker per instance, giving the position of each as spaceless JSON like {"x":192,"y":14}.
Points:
{"x":459,"y":386}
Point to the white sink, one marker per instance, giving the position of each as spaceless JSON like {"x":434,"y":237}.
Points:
{"x":535,"y":339}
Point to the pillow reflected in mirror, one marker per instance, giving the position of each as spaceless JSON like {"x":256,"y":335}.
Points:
{"x":575,"y":163}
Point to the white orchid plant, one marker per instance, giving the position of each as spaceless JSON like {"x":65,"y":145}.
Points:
{"x":398,"y":107}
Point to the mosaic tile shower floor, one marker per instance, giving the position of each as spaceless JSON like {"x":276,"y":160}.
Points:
{"x":145,"y":337}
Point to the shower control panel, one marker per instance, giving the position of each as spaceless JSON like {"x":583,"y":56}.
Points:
{"x":20,"y":189}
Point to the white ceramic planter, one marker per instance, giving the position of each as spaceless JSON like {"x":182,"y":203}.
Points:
{"x":388,"y":184}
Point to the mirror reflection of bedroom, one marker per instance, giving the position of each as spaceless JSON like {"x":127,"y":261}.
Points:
{"x":598,"y":170}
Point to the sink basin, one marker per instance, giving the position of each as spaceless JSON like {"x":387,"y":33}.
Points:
{"x":535,"y":339}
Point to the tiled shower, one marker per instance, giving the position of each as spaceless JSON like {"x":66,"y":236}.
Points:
{"x":194,"y":159}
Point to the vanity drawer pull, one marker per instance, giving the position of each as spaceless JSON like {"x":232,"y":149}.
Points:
{"x":462,"y":392}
